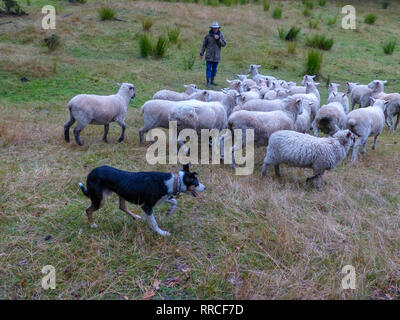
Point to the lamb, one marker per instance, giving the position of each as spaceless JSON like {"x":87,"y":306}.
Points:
{"x":253,"y":70}
{"x":155,"y":112}
{"x":305,"y":151}
{"x":330,"y":118}
{"x":393,"y":107}
{"x":235,"y":85}
{"x":366,"y":122}
{"x":175,"y":96}
{"x":100,"y":110}
{"x":333,"y":88}
{"x":253,"y":93}
{"x":293,"y":89}
{"x":311,"y":97}
{"x":265,"y":123}
{"x":303,"y":121}
{"x":341,"y":98}
{"x":359,"y":94}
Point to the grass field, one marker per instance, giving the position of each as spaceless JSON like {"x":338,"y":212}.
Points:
{"x":247,"y":237}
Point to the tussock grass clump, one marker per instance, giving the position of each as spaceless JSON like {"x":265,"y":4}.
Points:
{"x":388,"y":47}
{"x":160,"y":48}
{"x":322,"y":3}
{"x":146,"y":45}
{"x":147,"y":23}
{"x":12,"y":7}
{"x":266,"y":5}
{"x":314,"y":62}
{"x":188,"y":62}
{"x":277,"y":13}
{"x":106,"y":13}
{"x":313,"y":24}
{"x":331,"y":20}
{"x":52,"y":42}
{"x":385,"y":5}
{"x":309,"y":4}
{"x":291,"y":47}
{"x":306,"y":12}
{"x":292,"y":34}
{"x":370,"y":18}
{"x":173,"y":34}
{"x":320,"y":41}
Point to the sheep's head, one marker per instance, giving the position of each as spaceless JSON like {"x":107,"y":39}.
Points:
{"x":254,"y":68}
{"x":379,"y":103}
{"x":234,"y":84}
{"x":333,"y":87}
{"x":345,"y":137}
{"x":242,"y":77}
{"x":377,"y":85}
{"x":294,"y":105}
{"x":307,"y":78}
{"x":350,"y":86}
{"x":127,"y":89}
{"x":190,"y":88}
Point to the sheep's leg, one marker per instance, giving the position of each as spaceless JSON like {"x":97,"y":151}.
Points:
{"x":106,"y":127}
{"x":143,"y":131}
{"x":364,"y":149}
{"x":122,"y":206}
{"x":375,"y":140}
{"x":67,"y":126}
{"x":123,"y":126}
{"x":353,"y":103}
{"x":318,"y":176}
{"x":397,"y":122}
{"x":278,"y":170}
{"x":77,"y":133}
{"x":356,"y":146}
{"x":316,"y":129}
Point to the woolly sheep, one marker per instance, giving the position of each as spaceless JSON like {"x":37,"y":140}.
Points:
{"x":311,"y":97}
{"x":100,"y":110}
{"x":341,"y":98}
{"x":175,"y":96}
{"x":359,"y":94}
{"x":330,"y":118}
{"x":303,"y":121}
{"x":235,"y":85}
{"x":367,"y":122}
{"x":261,"y":105}
{"x":333,"y":88}
{"x":305,"y":151}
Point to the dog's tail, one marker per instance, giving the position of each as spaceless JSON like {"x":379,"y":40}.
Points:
{"x":80,"y":184}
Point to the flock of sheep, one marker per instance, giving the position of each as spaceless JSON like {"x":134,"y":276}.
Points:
{"x":280,"y":112}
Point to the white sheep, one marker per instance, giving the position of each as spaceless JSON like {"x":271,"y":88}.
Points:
{"x":311,"y":97}
{"x":175,"y":96}
{"x":330,"y":118}
{"x":341,"y":98}
{"x":260,"y":105}
{"x":100,"y":110}
{"x":253,"y":71}
{"x":235,"y":85}
{"x":303,"y":121}
{"x":359,"y":94}
{"x":333,"y":88}
{"x":366,"y":122}
{"x":305,"y":151}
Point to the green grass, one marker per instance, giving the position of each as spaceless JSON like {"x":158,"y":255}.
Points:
{"x":320,"y":41}
{"x":277,"y":13}
{"x":370,"y":18}
{"x":314,"y":62}
{"x":388,"y":47}
{"x":246,"y":237}
{"x":147,"y":23}
{"x":146,"y":45}
{"x":106,"y":13}
{"x":266,"y":5}
{"x":160,"y":48}
{"x":173,"y":34}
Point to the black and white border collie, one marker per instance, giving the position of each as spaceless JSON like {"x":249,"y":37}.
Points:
{"x":147,"y":189}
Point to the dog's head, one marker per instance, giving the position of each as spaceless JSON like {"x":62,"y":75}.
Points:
{"x":190,"y":184}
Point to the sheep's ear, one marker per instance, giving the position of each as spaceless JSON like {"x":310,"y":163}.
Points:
{"x":334,"y":94}
{"x":258,"y":65}
{"x":119,"y":84}
{"x":185,"y":85}
{"x":385,"y":81}
{"x":386,"y":102}
{"x":372,"y":100}
{"x":229,"y":81}
{"x":316,"y":83}
{"x":312,"y":77}
{"x":186,"y":167}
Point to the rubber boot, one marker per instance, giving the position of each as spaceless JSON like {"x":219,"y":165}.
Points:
{"x":208,"y":83}
{"x":212,"y":82}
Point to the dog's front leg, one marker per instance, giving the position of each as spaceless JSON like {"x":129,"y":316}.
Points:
{"x":151,"y":220}
{"x":173,"y":204}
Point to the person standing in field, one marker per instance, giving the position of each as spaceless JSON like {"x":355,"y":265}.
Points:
{"x":212,"y":44}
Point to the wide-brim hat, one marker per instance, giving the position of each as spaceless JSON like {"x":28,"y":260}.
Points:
{"x":215,"y":25}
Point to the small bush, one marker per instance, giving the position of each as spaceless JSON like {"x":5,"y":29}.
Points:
{"x":291,"y":48}
{"x":188,"y":62}
{"x":282,"y":33}
{"x":331,"y":20}
{"x":320,"y":42}
{"x":370,"y":18}
{"x":313,"y":24}
{"x":306,"y":12}
{"x":388,"y":47}
{"x":309,"y":4}
{"x":277,"y":13}
{"x":106,"y":13}
{"x":147,"y":23}
{"x":266,"y":5}
{"x":322,"y":3}
{"x":292,"y":34}
{"x":173,"y":34}
{"x":52,"y":42}
{"x":145,"y":45}
{"x":161,"y":47}
{"x":12,"y":7}
{"x":314,"y":62}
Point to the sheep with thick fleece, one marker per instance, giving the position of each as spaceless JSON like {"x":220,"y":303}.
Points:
{"x":367,"y":122}
{"x":341,"y":98}
{"x":261,"y":105}
{"x":294,"y":89}
{"x":175,"y":96}
{"x":235,"y":85}
{"x":333,"y":88}
{"x":393,"y":106}
{"x":100,"y":110}
{"x":155,"y":112}
{"x":330,"y":118}
{"x":305,"y":151}
{"x":311,"y":97}
{"x":359,"y":94}
{"x":303,"y":121}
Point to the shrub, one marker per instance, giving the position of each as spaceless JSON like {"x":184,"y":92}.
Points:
{"x":12,"y":7}
{"x":309,"y":4}
{"x":106,"y":13}
{"x":313,"y":24}
{"x":292,"y":34}
{"x":188,"y":62}
{"x":322,"y":3}
{"x":282,"y":33}
{"x":147,"y":23}
{"x":52,"y":42}
{"x":277,"y":13}
{"x":370,"y":18}
{"x":291,"y":48}
{"x":331,"y":20}
{"x":320,"y":42}
{"x":314,"y":62}
{"x":161,"y":47}
{"x":266,"y":5}
{"x":173,"y":34}
{"x":145,"y":45}
{"x":389,"y":47}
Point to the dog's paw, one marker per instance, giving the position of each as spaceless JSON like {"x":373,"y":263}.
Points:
{"x":164,"y":233}
{"x":94,"y":225}
{"x":136,"y":217}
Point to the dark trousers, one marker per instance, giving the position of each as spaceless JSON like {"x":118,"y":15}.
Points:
{"x":211,"y":69}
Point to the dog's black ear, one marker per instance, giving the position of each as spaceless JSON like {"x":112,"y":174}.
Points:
{"x":186,"y":167}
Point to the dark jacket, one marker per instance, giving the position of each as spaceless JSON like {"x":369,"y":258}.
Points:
{"x":212,"y":46}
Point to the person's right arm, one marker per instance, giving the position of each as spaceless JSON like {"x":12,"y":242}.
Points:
{"x":203,"y":48}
